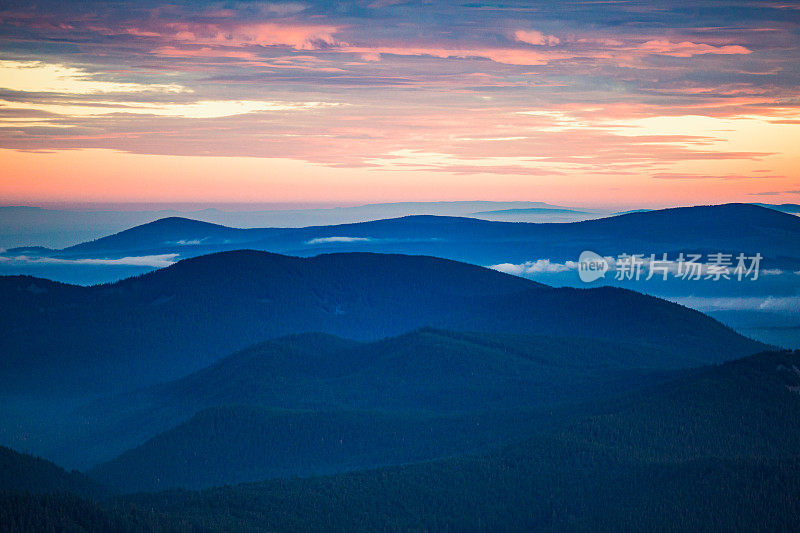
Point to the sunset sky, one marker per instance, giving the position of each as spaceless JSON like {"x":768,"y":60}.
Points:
{"x":570,"y":102}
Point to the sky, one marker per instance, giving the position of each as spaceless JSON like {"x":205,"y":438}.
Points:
{"x":604,"y":103}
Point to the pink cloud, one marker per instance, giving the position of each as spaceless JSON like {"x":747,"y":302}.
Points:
{"x":286,"y":32}
{"x":598,"y":49}
{"x":467,"y":140}
{"x":207,"y":52}
{"x":536,"y":37}
{"x":298,"y":36}
{"x":508,"y":56}
{"x":689,"y":49}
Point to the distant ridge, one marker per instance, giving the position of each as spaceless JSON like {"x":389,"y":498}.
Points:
{"x":59,"y":228}
{"x":705,"y":228}
{"x":170,"y":231}
{"x":531,"y":210}
{"x":785,"y":208}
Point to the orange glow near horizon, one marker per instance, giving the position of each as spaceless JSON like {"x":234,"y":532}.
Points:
{"x":108,"y":176}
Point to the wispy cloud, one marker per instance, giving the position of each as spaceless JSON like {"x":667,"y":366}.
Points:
{"x":536,"y":38}
{"x":157,"y":261}
{"x":689,"y":49}
{"x":329,"y":240}
{"x":539,"y":266}
{"x":199,"y":109}
{"x":745,"y":303}
{"x":239,"y":33}
{"x":37,"y":76}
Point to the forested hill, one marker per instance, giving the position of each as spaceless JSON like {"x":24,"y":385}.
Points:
{"x":178,"y":319}
{"x":422,"y":395}
{"x":716,"y":450}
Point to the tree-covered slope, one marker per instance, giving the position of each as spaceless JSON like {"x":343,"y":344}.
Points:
{"x":21,"y":472}
{"x":65,"y":512}
{"x":235,"y":444}
{"x":424,"y":372}
{"x":716,"y":450}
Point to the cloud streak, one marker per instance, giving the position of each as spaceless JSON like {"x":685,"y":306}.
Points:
{"x":156,"y":261}
{"x":749,"y":303}
{"x":531,"y":268}
{"x":334,"y":240}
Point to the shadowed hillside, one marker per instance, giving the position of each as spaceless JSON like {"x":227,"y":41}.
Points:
{"x":234,"y":444}
{"x":25,"y":473}
{"x":439,"y":392}
{"x":713,"y":451}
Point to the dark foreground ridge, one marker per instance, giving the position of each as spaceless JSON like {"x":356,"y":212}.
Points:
{"x":712,"y":450}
